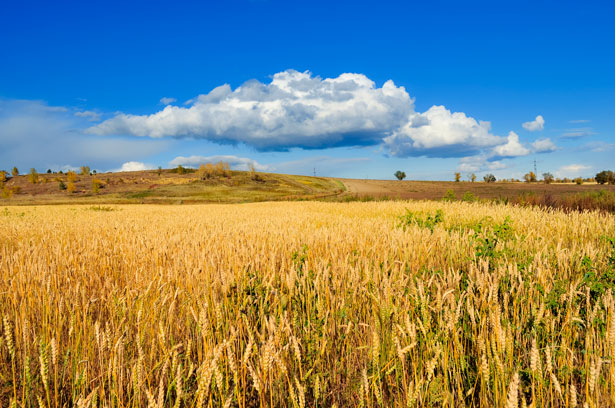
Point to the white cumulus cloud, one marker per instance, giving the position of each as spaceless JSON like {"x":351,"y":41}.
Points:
{"x":534,"y":125}
{"x":237,"y":163}
{"x":543,"y":146}
{"x":440,"y":133}
{"x":134,"y":166}
{"x":295,"y":109}
{"x":512,"y":147}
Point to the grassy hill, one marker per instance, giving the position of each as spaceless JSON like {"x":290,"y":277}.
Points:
{"x":166,"y":187}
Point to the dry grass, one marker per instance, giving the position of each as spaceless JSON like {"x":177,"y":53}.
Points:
{"x":306,"y":304}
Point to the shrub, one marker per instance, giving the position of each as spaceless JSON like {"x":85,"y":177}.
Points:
{"x":457,"y":177}
{"x":605,"y":176}
{"x":547,"y":178}
{"x":61,"y":185}
{"x":33,"y":176}
{"x":97,"y":185}
{"x":578,"y":180}
{"x":71,"y":176}
{"x":15,"y":172}
{"x":449,"y":196}
{"x":530,"y":177}
{"x":468,"y":197}
{"x":84,"y":170}
{"x":70,"y":187}
{"x":489,"y":178}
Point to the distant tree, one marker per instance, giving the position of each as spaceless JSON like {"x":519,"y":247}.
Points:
{"x":457,"y":177}
{"x":159,"y":170}
{"x":605,"y":176}
{"x":181,"y":169}
{"x":71,"y":176}
{"x":70,"y":187}
{"x":15,"y":172}
{"x":97,"y":185}
{"x":253,"y":174}
{"x":472,"y":177}
{"x":48,"y":171}
{"x":400,"y":175}
{"x":489,"y":178}
{"x":547,"y":178}
{"x":530,"y":177}
{"x":2,"y":176}
{"x":33,"y":176}
{"x":93,"y":171}
{"x":578,"y":180}
{"x":84,"y":170}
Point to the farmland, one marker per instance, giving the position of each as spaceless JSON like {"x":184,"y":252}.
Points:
{"x":298,"y":304}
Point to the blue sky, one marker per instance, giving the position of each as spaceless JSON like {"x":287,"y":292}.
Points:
{"x":350,"y":88}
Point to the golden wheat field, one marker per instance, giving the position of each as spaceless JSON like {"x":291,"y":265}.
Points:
{"x":306,"y":304}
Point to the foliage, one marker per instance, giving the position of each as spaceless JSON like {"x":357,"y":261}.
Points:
{"x":429,"y":220}
{"x":400,"y":175}
{"x":605,"y":176}
{"x":457,"y":177}
{"x":61,"y":185}
{"x":489,"y":178}
{"x":15,"y":172}
{"x":33,"y":176}
{"x":84,"y":170}
{"x":547,"y":178}
{"x":449,"y":196}
{"x":530,"y":177}
{"x":97,"y":185}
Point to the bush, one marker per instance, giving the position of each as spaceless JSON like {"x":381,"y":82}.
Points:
{"x":489,"y":178}
{"x":61,"y":185}
{"x":605,"y":176}
{"x":468,"y":197}
{"x":449,"y":196}
{"x":97,"y":185}
{"x":33,"y":176}
{"x":578,"y":180}
{"x":547,"y":178}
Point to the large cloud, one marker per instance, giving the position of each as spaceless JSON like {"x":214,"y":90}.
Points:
{"x":237,"y":163}
{"x":295,"y":109}
{"x":440,"y":133}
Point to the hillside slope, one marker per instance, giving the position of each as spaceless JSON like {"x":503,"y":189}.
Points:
{"x":168,"y":187}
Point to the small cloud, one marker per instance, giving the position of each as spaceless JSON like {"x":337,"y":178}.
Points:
{"x":167,"y":101}
{"x":577,"y":121}
{"x":578,"y":133}
{"x":572,"y":170}
{"x":134,"y":166}
{"x":543,"y":146}
{"x":512,"y":148}
{"x":534,"y":125}
{"x":89,"y":115}
{"x":237,"y":163}
{"x":597,"y":147}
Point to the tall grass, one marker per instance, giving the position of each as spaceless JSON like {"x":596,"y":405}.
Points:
{"x":307,"y":304}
